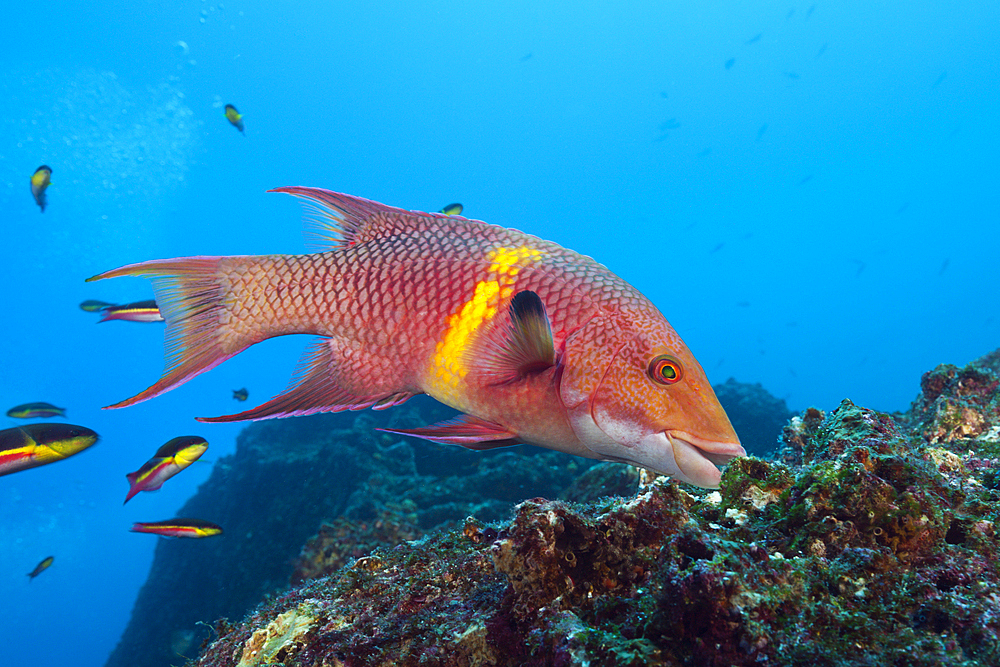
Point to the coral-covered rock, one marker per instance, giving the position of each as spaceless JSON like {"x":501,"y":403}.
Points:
{"x":959,"y":407}
{"x":757,"y":416}
{"x":871,"y":540}
{"x":367,"y":492}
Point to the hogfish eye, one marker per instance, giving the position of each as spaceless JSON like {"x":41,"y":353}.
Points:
{"x":665,"y":369}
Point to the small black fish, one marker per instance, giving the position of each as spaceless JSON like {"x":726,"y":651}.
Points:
{"x":240,"y":394}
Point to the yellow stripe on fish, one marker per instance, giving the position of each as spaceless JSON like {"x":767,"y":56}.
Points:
{"x":448,"y":368}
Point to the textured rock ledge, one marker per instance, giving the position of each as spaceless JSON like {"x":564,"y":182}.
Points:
{"x":871,"y":540}
{"x":360,"y":490}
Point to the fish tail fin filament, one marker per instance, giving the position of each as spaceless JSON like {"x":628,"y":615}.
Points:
{"x":195,"y":295}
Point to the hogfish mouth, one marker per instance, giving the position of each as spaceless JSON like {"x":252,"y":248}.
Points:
{"x":697,"y":459}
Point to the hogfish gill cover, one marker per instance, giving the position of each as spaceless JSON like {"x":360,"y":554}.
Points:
{"x":535,"y":343}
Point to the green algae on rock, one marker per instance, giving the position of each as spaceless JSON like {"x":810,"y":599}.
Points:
{"x":869,"y":541}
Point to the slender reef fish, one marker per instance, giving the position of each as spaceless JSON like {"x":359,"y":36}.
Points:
{"x":169,"y":460}
{"x":36,"y":410}
{"x":139,"y":311}
{"x":178,"y":528}
{"x":35,"y":445}
{"x":535,"y":343}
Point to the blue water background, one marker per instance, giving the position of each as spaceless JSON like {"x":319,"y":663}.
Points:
{"x":807,"y":191}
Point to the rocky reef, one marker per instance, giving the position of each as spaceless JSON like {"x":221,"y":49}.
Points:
{"x":869,"y":539}
{"x":307,"y":498}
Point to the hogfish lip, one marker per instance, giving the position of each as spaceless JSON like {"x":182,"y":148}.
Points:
{"x":697,"y":459}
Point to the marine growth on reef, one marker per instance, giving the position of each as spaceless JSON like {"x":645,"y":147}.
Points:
{"x":870,"y":540}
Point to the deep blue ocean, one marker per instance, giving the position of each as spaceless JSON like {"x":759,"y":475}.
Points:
{"x":807,"y":190}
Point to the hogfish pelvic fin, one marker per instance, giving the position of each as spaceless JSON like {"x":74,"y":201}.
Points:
{"x":465,"y":430}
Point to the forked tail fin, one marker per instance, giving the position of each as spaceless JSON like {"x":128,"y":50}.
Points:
{"x":192,"y":293}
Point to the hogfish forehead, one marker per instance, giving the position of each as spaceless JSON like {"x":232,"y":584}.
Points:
{"x":449,"y":364}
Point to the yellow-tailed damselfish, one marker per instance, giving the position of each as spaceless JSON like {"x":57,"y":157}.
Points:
{"x":234,"y":117}
{"x":41,"y":567}
{"x":40,"y":180}
{"x":452,"y":209}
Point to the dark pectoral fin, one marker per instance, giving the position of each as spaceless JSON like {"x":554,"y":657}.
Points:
{"x":468,"y":431}
{"x":518,"y":345}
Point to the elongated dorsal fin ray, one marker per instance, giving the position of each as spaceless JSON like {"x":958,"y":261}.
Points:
{"x":314,"y":389}
{"x":338,"y":220}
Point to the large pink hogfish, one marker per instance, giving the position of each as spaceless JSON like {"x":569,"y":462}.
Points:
{"x":533,"y":342}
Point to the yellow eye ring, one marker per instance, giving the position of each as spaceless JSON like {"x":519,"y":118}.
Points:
{"x":665,"y":370}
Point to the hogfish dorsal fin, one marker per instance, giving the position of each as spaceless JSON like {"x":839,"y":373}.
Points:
{"x":339,"y":221}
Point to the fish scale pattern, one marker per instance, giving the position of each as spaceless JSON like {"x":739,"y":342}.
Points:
{"x":396,"y":294}
{"x":400,"y":302}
